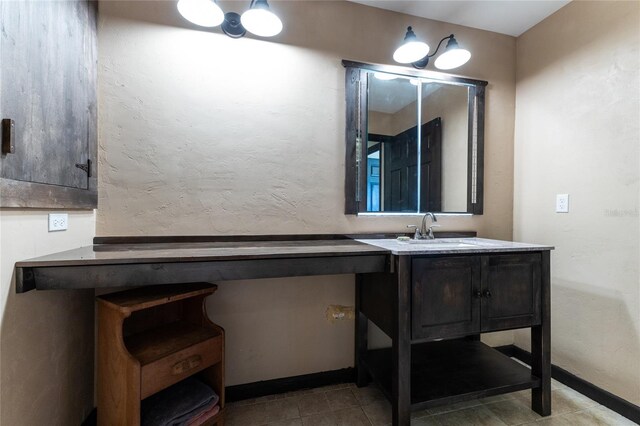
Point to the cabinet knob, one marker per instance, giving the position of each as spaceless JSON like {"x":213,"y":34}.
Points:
{"x":478,"y":294}
{"x":487,"y":294}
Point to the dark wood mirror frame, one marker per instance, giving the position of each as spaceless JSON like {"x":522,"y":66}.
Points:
{"x":356,"y":83}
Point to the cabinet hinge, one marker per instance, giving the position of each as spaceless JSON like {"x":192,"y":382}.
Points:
{"x":86,"y":167}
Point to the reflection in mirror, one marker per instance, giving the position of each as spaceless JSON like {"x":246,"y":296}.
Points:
{"x":445,"y":135}
{"x":402,"y":172}
{"x":414,"y":141}
{"x":392,"y":136}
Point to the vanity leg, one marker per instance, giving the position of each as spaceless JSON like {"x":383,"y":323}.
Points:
{"x":362,"y":325}
{"x":401,"y":346}
{"x":541,"y":346}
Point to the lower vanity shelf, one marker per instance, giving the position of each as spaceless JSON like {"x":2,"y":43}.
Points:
{"x":452,"y":371}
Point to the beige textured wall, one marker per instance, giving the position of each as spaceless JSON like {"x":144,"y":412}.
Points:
{"x":46,"y":337}
{"x":203,"y":134}
{"x":577,"y":132}
{"x":380,"y":123}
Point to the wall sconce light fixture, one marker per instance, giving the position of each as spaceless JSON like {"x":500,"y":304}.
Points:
{"x":259,"y":19}
{"x":415,"y":52}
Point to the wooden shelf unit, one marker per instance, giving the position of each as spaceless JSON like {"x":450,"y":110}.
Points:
{"x":151,"y":338}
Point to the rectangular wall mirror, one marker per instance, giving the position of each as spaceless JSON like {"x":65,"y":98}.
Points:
{"x":414,"y":141}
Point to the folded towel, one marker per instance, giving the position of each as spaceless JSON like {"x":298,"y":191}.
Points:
{"x":178,"y":404}
{"x":201,"y":418}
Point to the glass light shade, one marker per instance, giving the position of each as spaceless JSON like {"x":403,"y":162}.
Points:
{"x":452,"y":58}
{"x":384,"y":76}
{"x":261,"y":21}
{"x":205,"y":13}
{"x":410,"y":52}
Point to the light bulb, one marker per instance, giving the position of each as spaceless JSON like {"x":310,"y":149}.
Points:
{"x":261,"y":21}
{"x":411,"y":52}
{"x":384,"y":76}
{"x":411,"y":49}
{"x":453,"y":56}
{"x":205,"y":13}
{"x":452,"y":59}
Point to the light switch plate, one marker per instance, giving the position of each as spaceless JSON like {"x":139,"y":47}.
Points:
{"x":58,"y":222}
{"x":562,"y":203}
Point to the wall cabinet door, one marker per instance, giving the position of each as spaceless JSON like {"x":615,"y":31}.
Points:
{"x":510,"y":291}
{"x":445,"y":297}
{"x":48,"y":88}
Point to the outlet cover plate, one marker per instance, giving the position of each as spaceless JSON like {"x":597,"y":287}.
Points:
{"x":58,"y":222}
{"x":562,"y":203}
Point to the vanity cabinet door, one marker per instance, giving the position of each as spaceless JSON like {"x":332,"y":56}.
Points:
{"x":445,"y":297}
{"x":510,"y":291}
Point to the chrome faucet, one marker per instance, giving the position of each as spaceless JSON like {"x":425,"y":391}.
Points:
{"x":424,"y":233}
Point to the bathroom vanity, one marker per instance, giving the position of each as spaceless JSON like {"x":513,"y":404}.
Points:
{"x":432,"y":297}
{"x":453,"y":290}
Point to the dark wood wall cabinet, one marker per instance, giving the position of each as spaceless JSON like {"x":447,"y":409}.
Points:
{"x":48,"y":64}
{"x":435,"y":308}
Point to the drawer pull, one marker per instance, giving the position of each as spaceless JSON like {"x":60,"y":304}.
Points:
{"x":186,"y":365}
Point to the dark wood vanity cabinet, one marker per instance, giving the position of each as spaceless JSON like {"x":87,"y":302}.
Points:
{"x":458,"y":296}
{"x":445,"y":297}
{"x":511,"y":286}
{"x":434,"y":307}
{"x":48,"y":104}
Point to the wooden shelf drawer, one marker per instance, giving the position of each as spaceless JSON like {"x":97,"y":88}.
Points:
{"x":180,"y":365}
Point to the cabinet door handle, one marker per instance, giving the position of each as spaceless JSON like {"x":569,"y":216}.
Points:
{"x":8,"y":136}
{"x":478,"y":294}
{"x":487,"y":294}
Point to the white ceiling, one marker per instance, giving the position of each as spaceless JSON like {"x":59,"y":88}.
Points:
{"x":390,"y":96}
{"x":511,"y":17}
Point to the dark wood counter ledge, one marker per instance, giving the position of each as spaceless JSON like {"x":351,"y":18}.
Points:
{"x":129,"y":265}
{"x":147,"y":260}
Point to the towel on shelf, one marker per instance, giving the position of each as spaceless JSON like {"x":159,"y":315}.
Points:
{"x":201,"y":418}
{"x":178,"y":404}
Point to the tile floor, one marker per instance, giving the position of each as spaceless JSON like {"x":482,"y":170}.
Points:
{"x":347,"y":405}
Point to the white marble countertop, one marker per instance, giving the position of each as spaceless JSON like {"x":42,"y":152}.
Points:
{"x":452,"y":246}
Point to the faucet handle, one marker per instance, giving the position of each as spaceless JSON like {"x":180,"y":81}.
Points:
{"x":417,"y":234}
{"x":430,"y":231}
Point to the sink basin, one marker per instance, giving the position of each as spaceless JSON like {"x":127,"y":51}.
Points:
{"x":440,"y":243}
{"x":443,"y":243}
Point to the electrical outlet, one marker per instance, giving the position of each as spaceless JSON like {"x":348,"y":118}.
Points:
{"x":562,"y":203}
{"x":58,"y":222}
